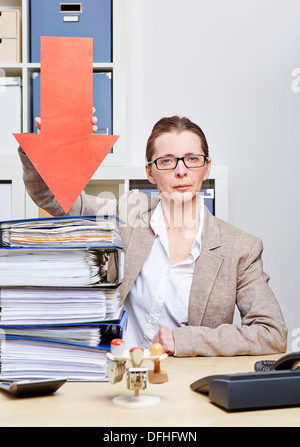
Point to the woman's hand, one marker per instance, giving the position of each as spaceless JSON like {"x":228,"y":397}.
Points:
{"x":165,"y":337}
{"x":94,"y":121}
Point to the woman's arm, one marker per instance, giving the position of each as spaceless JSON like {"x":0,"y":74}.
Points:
{"x":262,"y":329}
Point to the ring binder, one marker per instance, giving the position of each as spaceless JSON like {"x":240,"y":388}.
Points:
{"x":59,"y":300}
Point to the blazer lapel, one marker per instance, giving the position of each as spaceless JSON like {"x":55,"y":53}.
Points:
{"x":206,"y":270}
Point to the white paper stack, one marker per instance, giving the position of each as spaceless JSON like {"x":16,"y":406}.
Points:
{"x":23,"y":359}
{"x":57,"y":306}
{"x":56,"y":267}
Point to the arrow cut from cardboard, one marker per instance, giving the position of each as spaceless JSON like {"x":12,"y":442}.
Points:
{"x":65,"y":153}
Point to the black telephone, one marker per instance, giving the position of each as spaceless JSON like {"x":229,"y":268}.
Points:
{"x":288,"y":361}
{"x":274,"y":383}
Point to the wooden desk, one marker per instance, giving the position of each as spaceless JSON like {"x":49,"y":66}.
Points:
{"x":90,"y":404}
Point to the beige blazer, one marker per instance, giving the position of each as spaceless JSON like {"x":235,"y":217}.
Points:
{"x":228,"y":275}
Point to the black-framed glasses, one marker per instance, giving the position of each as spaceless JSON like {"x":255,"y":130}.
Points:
{"x":189,"y":161}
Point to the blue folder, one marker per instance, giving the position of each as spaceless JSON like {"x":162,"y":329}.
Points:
{"x":208,"y":195}
{"x":102,"y":101}
{"x":111,"y":329}
{"x":88,"y":18}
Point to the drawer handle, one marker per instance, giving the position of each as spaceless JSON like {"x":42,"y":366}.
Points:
{"x":70,"y":7}
{"x":70,"y":18}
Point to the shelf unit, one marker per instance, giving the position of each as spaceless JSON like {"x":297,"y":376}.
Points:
{"x":114,"y":173}
{"x":10,"y":168}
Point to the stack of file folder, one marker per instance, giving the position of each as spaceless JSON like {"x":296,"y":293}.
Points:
{"x":59,"y":292}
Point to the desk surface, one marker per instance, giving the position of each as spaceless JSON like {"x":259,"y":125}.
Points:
{"x":91,"y":404}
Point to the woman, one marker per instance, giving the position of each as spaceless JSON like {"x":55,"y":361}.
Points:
{"x":186,"y":270}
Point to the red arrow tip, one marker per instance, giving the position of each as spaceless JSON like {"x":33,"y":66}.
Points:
{"x":66,"y":168}
{"x":66,"y":154}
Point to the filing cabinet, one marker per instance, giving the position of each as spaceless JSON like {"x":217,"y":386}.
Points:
{"x":87,"y":18}
{"x":10,"y":36}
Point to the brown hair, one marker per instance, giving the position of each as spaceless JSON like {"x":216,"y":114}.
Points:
{"x":174,"y":124}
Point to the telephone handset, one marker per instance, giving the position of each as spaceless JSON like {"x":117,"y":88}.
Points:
{"x":287,"y":362}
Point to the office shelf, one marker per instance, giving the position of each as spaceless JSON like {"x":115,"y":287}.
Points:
{"x":10,"y":167}
{"x":115,"y":172}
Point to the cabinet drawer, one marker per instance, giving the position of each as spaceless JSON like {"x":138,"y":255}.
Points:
{"x":9,"y":50}
{"x":85,"y":18}
{"x":10,"y":24}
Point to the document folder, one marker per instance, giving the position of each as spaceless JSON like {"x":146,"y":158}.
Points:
{"x":66,"y":231}
{"x":61,"y":266}
{"x":102,"y":101}
{"x":36,"y":357}
{"x":58,"y":305}
{"x":88,"y":18}
{"x":110,"y":328}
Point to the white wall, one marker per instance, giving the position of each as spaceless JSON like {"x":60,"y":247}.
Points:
{"x":227,"y":65}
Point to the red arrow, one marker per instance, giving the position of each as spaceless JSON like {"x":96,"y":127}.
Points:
{"x":66,"y":153}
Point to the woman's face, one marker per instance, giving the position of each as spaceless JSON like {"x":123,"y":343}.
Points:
{"x":180,"y":184}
